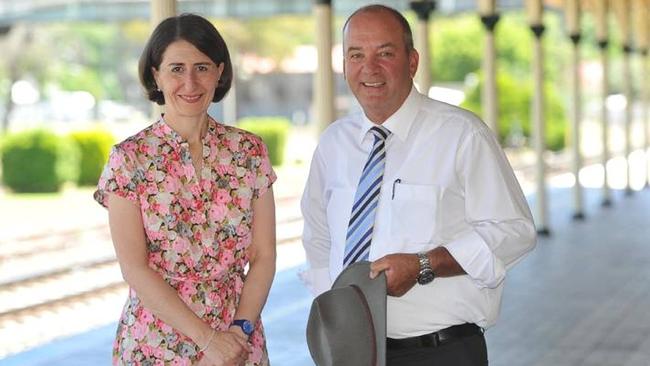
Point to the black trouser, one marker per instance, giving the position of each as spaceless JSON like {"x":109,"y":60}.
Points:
{"x":467,"y":351}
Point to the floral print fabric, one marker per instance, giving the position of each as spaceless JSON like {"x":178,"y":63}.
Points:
{"x":197,"y":228}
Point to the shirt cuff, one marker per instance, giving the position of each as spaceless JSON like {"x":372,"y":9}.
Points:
{"x":476,"y":258}
{"x":317,"y":280}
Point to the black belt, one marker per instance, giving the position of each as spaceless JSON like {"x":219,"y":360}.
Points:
{"x":435,"y":339}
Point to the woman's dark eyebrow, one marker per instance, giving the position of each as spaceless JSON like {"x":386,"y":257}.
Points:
{"x":196,"y":64}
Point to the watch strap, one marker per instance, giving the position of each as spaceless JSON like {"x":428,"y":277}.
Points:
{"x":245,"y":325}
{"x":424,"y":261}
{"x":425,"y":274}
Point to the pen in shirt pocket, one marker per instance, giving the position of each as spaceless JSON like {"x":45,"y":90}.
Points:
{"x":395,"y":182}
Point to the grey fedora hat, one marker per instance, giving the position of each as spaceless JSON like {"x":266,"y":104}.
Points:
{"x":347,"y":324}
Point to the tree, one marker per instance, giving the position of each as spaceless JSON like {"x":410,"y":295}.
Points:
{"x":456,"y":47}
{"x":273,"y":37}
{"x":16,"y":62}
{"x":515,"y":98}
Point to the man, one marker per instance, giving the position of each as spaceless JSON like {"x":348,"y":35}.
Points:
{"x":422,"y":189}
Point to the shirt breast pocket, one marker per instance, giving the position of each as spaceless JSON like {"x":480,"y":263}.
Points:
{"x":414,"y":213}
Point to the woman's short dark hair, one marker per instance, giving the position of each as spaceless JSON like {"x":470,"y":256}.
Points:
{"x":201,"y":34}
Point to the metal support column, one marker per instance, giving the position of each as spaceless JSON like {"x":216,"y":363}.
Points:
{"x":578,"y":212}
{"x":601,"y":15}
{"x":629,"y":105}
{"x":534,"y":11}
{"x":642,"y":35}
{"x":423,"y":9}
{"x":645,"y":112}
{"x":323,"y":96}
{"x":160,"y":10}
{"x":572,"y":17}
{"x":489,"y":95}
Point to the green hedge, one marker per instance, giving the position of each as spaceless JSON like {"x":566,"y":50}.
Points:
{"x":515,"y":108}
{"x":94,"y":145}
{"x":38,"y":161}
{"x":273,"y":130}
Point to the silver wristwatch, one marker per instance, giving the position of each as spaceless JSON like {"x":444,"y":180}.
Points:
{"x":426,"y":274}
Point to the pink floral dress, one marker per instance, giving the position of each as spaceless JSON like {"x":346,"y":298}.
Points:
{"x":197,"y":230}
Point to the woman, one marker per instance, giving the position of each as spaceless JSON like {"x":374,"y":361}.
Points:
{"x":190,"y":206}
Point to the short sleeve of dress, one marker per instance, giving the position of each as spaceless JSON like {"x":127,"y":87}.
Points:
{"x":119,"y":177}
{"x":265,"y":176}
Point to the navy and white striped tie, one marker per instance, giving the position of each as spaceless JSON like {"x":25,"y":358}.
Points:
{"x":362,"y":218}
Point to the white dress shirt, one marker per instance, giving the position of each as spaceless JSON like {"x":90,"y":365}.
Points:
{"x":446,"y":182}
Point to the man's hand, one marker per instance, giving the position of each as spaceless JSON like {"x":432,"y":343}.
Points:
{"x":401,"y":272}
{"x":402,"y":269}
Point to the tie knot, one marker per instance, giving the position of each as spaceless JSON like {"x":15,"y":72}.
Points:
{"x":380,"y":133}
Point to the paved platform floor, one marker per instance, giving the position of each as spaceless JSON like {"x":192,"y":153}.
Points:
{"x":582,"y":297}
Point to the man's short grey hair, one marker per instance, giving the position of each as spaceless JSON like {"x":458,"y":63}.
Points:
{"x":378,"y":8}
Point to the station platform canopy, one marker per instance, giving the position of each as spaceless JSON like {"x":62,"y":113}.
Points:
{"x":38,"y":11}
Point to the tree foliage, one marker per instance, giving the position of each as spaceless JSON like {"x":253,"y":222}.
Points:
{"x":275,"y":37}
{"x":514,"y":110}
{"x":95,"y":57}
{"x":457,"y":46}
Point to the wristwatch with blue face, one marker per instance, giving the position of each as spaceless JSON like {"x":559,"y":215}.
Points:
{"x":246,"y":326}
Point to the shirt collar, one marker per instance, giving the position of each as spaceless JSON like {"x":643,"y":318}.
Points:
{"x":399,"y":124}
{"x":163,"y":130}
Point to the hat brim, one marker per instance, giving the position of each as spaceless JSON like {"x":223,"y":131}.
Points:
{"x":340,"y":329}
{"x":375,"y":291}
